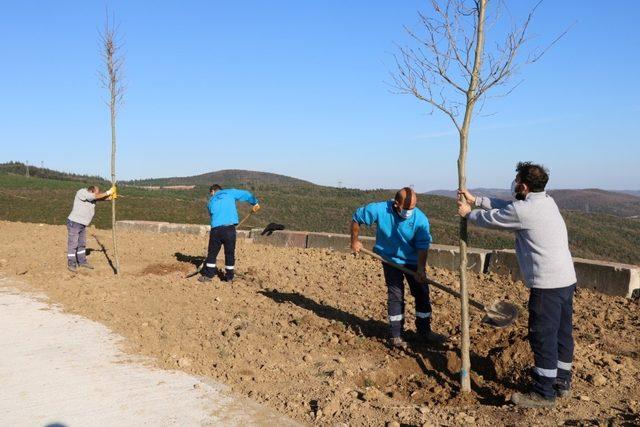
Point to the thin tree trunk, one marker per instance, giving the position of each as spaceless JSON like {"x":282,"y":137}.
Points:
{"x":465,"y":380}
{"x":113,"y":177}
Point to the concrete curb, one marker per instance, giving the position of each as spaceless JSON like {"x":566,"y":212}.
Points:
{"x":606,"y":277}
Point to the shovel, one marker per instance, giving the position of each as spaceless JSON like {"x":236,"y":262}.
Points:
{"x":205,"y":255}
{"x":500,"y":314}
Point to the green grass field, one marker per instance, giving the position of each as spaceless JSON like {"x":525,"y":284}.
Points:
{"x":299,"y":206}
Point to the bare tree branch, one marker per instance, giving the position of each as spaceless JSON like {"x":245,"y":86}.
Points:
{"x":444,"y":54}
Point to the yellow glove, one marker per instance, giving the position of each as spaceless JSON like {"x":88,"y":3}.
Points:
{"x":112,"y":192}
{"x":255,"y":208}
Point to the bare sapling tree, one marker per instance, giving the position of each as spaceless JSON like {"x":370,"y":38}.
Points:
{"x":112,"y":80}
{"x":449,"y":67}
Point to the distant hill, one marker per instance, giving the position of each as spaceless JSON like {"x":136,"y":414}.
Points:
{"x":500,"y":193}
{"x":223,"y":177}
{"x":590,"y":200}
{"x":632,"y":192}
{"x":598,"y":201}
{"x":19,"y":168}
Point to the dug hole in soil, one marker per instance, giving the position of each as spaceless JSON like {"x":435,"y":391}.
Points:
{"x":304,"y":331}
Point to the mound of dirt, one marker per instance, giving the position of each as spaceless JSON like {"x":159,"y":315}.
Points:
{"x":163,"y":269}
{"x":304,"y":331}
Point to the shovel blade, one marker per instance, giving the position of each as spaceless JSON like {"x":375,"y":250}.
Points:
{"x":501,"y":314}
{"x":195,"y":272}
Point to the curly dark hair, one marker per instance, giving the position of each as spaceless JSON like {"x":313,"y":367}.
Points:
{"x":535,"y":176}
{"x":214,"y":187}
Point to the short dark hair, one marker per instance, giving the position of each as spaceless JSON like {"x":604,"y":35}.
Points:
{"x":91,"y":188}
{"x":214,"y":187}
{"x":535,"y":176}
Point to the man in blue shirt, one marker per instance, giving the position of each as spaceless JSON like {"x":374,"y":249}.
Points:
{"x":403,"y":237}
{"x":224,"y":218}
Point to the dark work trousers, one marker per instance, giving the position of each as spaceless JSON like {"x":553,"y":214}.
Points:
{"x":551,"y":337}
{"x":76,"y":243}
{"x":395,"y":300}
{"x":225,"y":235}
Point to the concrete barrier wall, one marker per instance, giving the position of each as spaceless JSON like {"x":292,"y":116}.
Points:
{"x":504,"y":263}
{"x":606,"y":277}
{"x":287,"y":239}
{"x":336,"y":242}
{"x":169,"y":227}
{"x":448,"y":257}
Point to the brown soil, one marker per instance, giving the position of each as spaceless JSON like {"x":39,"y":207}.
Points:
{"x":304,"y":331}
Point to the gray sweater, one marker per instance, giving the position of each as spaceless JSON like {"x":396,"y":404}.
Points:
{"x":84,"y":207}
{"x":542,"y":244}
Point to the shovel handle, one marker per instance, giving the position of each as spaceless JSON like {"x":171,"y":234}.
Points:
{"x":440,"y":286}
{"x":244,"y":219}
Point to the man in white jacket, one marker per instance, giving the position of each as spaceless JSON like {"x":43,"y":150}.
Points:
{"x":542,"y":248}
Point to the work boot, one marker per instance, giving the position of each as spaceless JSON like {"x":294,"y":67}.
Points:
{"x":398,"y":342}
{"x":228,"y":275}
{"x":204,"y":279}
{"x":562,"y":388}
{"x":532,"y":400}
{"x":72,"y":268}
{"x":86,"y":265}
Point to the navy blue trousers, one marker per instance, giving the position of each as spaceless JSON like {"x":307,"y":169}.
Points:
{"x":395,"y":300}
{"x":224,"y":235}
{"x":551,"y":337}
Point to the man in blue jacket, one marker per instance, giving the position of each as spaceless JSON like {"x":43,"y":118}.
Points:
{"x":224,"y":218}
{"x":542,"y":248}
{"x":403,"y":237}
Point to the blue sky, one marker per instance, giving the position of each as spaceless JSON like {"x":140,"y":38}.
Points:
{"x":301,"y":88}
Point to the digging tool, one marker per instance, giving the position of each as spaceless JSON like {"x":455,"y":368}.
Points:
{"x":205,"y":255}
{"x":500,"y":314}
{"x":270,"y":228}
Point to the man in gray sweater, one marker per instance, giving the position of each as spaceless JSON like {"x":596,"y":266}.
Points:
{"x":542,"y":248}
{"x":84,"y":207}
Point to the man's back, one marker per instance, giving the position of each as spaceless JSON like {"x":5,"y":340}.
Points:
{"x":542,"y":243}
{"x":84,"y":207}
{"x":222,"y":206}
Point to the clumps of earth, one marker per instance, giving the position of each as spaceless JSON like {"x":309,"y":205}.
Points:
{"x":304,"y":332}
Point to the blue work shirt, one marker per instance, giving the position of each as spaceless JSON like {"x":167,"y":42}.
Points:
{"x":397,"y":239}
{"x":222,"y":206}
